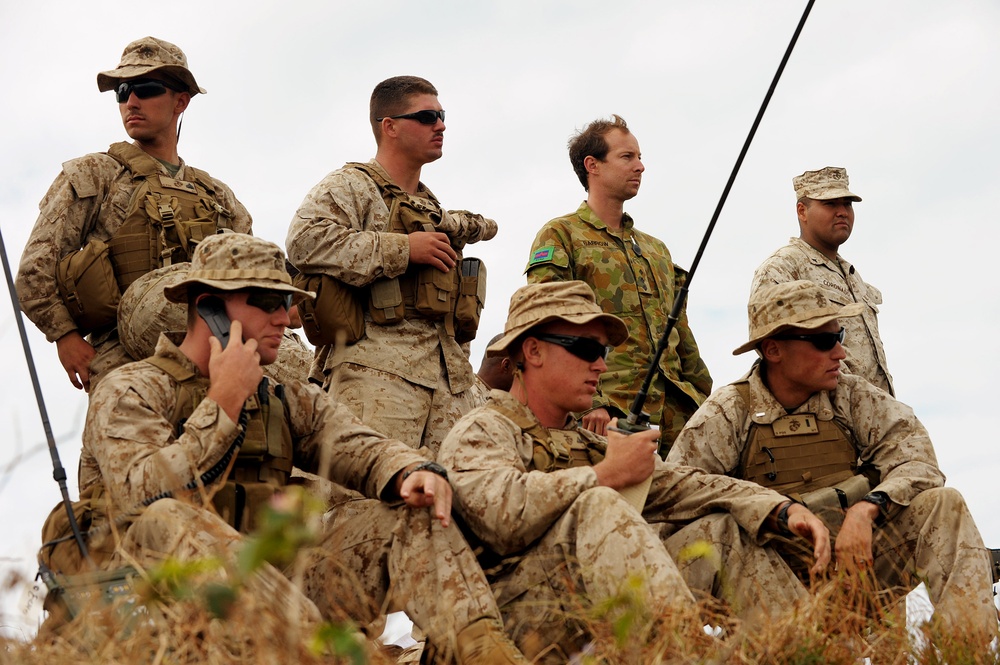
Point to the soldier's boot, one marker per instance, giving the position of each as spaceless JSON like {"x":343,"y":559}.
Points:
{"x":484,"y":641}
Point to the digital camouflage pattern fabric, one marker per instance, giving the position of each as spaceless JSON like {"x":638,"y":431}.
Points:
{"x":634,"y":278}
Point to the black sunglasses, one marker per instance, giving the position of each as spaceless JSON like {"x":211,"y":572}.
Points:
{"x":584,"y":348}
{"x":425,"y":117}
{"x":823,"y":341}
{"x":143,"y":89}
{"x":269,"y":301}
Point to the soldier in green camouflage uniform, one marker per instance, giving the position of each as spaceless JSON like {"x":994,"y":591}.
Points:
{"x":89,"y":200}
{"x":633,"y":277}
{"x":819,"y":422}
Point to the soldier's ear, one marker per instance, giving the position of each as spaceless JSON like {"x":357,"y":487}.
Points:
{"x":770,"y":350}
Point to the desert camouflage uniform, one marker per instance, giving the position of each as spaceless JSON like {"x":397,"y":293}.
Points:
{"x":640,"y":290}
{"x":88,"y":200}
{"x":411,"y":378}
{"x":548,"y":532}
{"x":842,"y":284}
{"x":131,"y":447}
{"x":929,"y":535}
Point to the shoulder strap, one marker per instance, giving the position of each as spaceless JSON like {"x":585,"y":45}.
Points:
{"x":134,"y":159}
{"x":188,"y":394}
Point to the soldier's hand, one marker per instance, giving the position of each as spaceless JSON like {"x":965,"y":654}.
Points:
{"x":853,"y":548}
{"x":802,"y":522}
{"x":432,"y":248}
{"x":423,"y":489}
{"x":75,"y":354}
{"x":597,"y":421}
{"x":233,"y":372}
{"x":628,"y":460}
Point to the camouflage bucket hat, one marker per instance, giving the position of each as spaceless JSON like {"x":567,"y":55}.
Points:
{"x":798,"y":304}
{"x":144,"y":311}
{"x":830,"y":182}
{"x":145,"y":56}
{"x":573,"y":301}
{"x":233,"y":261}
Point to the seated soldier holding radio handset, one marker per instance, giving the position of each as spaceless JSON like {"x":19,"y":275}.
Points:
{"x":156,"y":426}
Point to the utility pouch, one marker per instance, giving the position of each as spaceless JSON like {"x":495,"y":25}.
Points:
{"x":433,"y":297}
{"x":386,"y":302}
{"x":471,"y":299}
{"x":837,"y":498}
{"x":336,"y":316}
{"x":87,"y":285}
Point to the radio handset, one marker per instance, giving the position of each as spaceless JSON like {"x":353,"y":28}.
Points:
{"x":213,"y":311}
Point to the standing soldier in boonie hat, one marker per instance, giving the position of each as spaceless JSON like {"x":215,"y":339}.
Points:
{"x":848,"y":450}
{"x":542,"y":494}
{"x":195,"y":412}
{"x":111,"y":217}
{"x":825,"y":207}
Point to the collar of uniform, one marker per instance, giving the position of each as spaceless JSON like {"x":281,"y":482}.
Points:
{"x":168,"y":346}
{"x":765,"y":408}
{"x":818,"y":258}
{"x":422,"y":189}
{"x":587,"y":214}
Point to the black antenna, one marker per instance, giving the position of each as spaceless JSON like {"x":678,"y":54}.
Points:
{"x":636,"y":419}
{"x":58,"y":472}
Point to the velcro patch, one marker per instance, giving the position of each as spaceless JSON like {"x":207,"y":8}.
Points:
{"x":542,"y":255}
{"x":790,"y":425}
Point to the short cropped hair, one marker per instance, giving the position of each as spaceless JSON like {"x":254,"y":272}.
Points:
{"x":592,"y":142}
{"x":390,"y":97}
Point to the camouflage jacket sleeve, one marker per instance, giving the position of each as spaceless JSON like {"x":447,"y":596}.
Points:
{"x":342,"y":230}
{"x":330,"y":441}
{"x":778,"y":268}
{"x":129,"y":434}
{"x":241,"y":220}
{"x":505,"y":505}
{"x":890,"y":437}
{"x":68,"y":217}
{"x":714,"y":437}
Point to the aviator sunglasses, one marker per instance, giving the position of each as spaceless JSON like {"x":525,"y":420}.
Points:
{"x":143,"y":89}
{"x":581,"y":347}
{"x":425,"y":117}
{"x":823,"y":341}
{"x":269,"y":301}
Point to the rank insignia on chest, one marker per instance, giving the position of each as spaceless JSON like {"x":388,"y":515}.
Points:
{"x":543,"y":254}
{"x":804,"y":423}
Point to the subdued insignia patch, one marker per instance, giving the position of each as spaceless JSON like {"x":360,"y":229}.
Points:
{"x":543,"y":254}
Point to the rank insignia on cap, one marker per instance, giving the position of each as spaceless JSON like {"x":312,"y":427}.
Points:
{"x":543,"y":254}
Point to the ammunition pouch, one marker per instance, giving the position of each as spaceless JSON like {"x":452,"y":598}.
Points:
{"x":471,"y":299}
{"x":337,"y":314}
{"x":385,"y":301}
{"x":837,"y":498}
{"x":86,"y":282}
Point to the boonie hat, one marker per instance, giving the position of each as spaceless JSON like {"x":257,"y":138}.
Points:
{"x":145,"y":56}
{"x":830,"y":182}
{"x":233,"y":261}
{"x":798,"y":304}
{"x":572,"y":301}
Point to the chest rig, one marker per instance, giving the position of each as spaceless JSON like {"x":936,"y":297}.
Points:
{"x":166,"y":217}
{"x":552,"y":449}
{"x":264,"y":462}
{"x":796,"y":453}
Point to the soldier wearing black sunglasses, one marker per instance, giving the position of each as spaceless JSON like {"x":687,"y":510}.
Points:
{"x":104,"y":210}
{"x":861,"y":460}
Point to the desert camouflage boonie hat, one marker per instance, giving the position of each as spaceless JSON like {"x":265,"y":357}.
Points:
{"x":572,"y":301}
{"x":830,"y":182}
{"x":145,"y":56}
{"x":798,"y":304}
{"x":233,"y":261}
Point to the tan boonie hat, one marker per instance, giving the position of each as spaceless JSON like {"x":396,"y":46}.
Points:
{"x":829,"y":182}
{"x":145,"y":56}
{"x":798,"y":304}
{"x":535,"y":304}
{"x":233,"y":261}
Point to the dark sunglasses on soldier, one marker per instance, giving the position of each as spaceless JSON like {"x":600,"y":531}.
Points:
{"x":143,"y":89}
{"x":269,"y":301}
{"x":425,"y":117}
{"x":584,"y":348}
{"x":823,"y":341}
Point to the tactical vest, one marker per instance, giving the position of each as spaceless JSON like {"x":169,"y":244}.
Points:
{"x":166,"y":217}
{"x":264,"y":462}
{"x":797,"y":453}
{"x":552,"y":449}
{"x":456,"y":297}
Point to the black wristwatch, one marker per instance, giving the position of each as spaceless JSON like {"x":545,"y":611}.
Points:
{"x":782,"y":519}
{"x":433,"y":467}
{"x":880,"y":499}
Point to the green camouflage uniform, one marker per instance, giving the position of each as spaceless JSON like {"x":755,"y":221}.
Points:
{"x":638,"y":287}
{"x":929,"y":535}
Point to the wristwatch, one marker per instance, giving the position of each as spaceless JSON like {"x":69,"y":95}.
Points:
{"x":433,"y":467}
{"x":880,"y":499}
{"x":782,"y":519}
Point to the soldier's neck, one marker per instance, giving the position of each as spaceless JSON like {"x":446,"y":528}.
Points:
{"x":164,"y":151}
{"x":609,"y":211}
{"x":403,"y":171}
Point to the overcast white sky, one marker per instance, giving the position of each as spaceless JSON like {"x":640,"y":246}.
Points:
{"x":903,"y":93}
